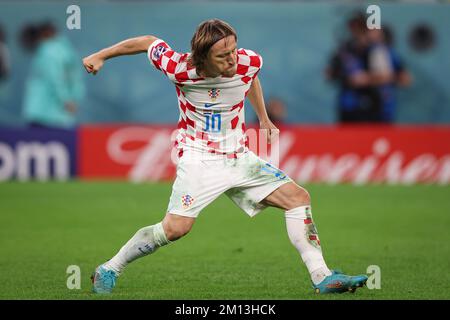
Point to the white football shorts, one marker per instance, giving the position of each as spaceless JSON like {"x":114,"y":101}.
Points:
{"x":246,"y":180}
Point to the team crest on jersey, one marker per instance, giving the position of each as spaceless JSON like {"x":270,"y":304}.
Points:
{"x":187,"y":200}
{"x":158,"y":52}
{"x":214,"y":93}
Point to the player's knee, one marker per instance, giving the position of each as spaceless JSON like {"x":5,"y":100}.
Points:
{"x":300,"y":198}
{"x":175,"y":229}
{"x":175,"y":232}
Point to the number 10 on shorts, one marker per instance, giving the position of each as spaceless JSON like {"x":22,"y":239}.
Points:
{"x":213,"y":122}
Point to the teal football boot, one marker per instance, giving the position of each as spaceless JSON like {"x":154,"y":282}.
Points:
{"x":103,"y":280}
{"x":357,"y":282}
{"x":338,"y":282}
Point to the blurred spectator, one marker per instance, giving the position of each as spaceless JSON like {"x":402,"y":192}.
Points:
{"x":276,"y":111}
{"x":358,"y":100}
{"x":29,"y":37}
{"x":387,"y":71}
{"x":54,"y":85}
{"x":368,"y":71}
{"x":4,"y":56}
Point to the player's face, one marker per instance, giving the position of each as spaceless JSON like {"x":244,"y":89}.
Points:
{"x":222,"y":57}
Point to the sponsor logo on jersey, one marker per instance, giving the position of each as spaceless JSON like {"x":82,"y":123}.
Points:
{"x":213,"y":93}
{"x":209,"y":105}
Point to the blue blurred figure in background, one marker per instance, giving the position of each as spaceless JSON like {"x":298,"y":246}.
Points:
{"x":54,"y":86}
{"x":368,"y":72}
{"x":387,"y":70}
{"x":358,"y":101}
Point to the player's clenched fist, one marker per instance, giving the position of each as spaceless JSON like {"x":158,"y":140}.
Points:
{"x":93,"y":63}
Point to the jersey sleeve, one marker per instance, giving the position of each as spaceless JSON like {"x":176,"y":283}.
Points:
{"x":249,"y":64}
{"x":164,"y":58}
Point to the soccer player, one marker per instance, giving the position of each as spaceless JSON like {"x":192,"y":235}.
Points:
{"x":211,"y":83}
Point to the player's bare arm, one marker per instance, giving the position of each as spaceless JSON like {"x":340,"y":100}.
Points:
{"x":94,"y":62}
{"x":255,"y":95}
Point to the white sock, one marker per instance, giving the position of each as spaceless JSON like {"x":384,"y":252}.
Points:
{"x":146,"y":241}
{"x":303,"y":235}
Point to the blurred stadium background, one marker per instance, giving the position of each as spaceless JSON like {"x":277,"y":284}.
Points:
{"x":380,"y":190}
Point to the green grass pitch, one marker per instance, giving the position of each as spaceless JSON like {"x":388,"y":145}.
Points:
{"x":45,"y":227}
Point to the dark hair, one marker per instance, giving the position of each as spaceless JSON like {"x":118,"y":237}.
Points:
{"x":47,"y":27}
{"x":357,"y":21}
{"x":29,"y":37}
{"x":206,"y":35}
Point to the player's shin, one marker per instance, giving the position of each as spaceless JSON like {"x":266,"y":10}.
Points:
{"x":303,"y":235}
{"x":146,"y":241}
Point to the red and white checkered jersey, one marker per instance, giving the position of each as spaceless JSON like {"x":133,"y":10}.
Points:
{"x":211,"y":109}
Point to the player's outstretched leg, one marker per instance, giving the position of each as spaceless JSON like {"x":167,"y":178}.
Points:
{"x":146,"y":241}
{"x":303,"y":234}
